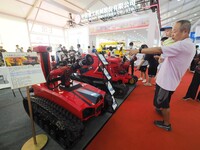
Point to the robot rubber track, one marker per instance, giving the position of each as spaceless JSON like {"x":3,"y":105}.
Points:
{"x":59,"y":123}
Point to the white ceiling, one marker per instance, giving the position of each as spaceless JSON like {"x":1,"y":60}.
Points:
{"x":56,"y":12}
{"x":174,"y":10}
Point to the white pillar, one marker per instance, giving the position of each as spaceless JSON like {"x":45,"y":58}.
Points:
{"x":197,"y":31}
{"x":153,"y":35}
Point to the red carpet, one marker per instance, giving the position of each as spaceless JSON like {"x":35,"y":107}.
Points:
{"x":132,"y":128}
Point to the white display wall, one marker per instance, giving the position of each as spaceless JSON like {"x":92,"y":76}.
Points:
{"x":79,"y":35}
{"x":133,"y":28}
{"x":46,"y":35}
{"x":137,"y":36}
{"x":13,"y":31}
{"x":139,"y":29}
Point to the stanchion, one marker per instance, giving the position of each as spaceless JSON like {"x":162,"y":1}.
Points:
{"x":36,"y":142}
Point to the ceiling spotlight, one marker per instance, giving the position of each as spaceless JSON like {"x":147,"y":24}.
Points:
{"x":175,"y":11}
{"x":195,"y":14}
{"x":174,"y":18}
{"x":178,"y":0}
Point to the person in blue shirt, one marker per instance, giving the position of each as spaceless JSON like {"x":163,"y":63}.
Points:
{"x":94,"y":49}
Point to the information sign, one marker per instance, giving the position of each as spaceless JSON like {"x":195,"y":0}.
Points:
{"x":102,"y":58}
{"x":23,"y":69}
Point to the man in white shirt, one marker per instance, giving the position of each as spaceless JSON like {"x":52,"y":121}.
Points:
{"x":79,"y":49}
{"x":178,"y":57}
{"x":58,"y":53}
{"x":18,"y":49}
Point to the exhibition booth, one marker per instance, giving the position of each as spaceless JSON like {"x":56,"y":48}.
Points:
{"x":137,"y":29}
{"x":70,"y":99}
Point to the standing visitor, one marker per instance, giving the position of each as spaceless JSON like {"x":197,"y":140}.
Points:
{"x":142,"y":67}
{"x":94,"y":49}
{"x":89,"y":50}
{"x":58,"y":53}
{"x":29,"y":50}
{"x":153,"y":64}
{"x":18,"y":49}
{"x":178,"y":57}
{"x":80,"y":51}
{"x":194,"y":85}
{"x":133,"y":58}
{"x":194,"y":63}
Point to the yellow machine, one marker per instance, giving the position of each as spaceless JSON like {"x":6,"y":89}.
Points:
{"x":114,"y":47}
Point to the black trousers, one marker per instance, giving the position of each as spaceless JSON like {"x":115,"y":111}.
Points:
{"x":132,"y":67}
{"x":194,"y":85}
{"x":192,"y":65}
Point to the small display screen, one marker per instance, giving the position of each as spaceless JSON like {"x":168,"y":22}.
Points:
{"x":127,"y":57}
{"x":102,"y":58}
{"x":106,"y":74}
{"x":110,"y":88}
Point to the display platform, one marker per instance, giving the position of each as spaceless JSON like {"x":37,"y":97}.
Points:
{"x":15,"y":124}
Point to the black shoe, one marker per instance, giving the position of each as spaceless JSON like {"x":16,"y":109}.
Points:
{"x":159,"y":111}
{"x":186,"y":98}
{"x":161,"y":124}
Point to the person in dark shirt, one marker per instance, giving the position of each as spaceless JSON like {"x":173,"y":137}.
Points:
{"x":133,"y":58}
{"x":29,"y":50}
{"x":194,"y":85}
{"x":153,"y":64}
{"x":193,"y":63}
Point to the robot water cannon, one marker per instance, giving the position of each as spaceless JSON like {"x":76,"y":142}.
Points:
{"x":86,"y":61}
{"x":63,"y":73}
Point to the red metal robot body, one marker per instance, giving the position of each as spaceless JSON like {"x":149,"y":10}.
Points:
{"x":60,"y":105}
{"x":76,"y":97}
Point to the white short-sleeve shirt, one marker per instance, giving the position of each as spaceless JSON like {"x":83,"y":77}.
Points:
{"x":178,"y":57}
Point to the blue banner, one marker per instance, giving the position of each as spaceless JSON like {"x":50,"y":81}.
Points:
{"x":192,"y":36}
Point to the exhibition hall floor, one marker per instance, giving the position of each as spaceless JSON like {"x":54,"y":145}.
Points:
{"x":132,"y":128}
{"x":15,"y":125}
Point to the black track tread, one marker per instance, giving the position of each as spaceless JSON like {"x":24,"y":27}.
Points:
{"x":59,"y":123}
{"x":122,"y":88}
{"x":108,"y":104}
